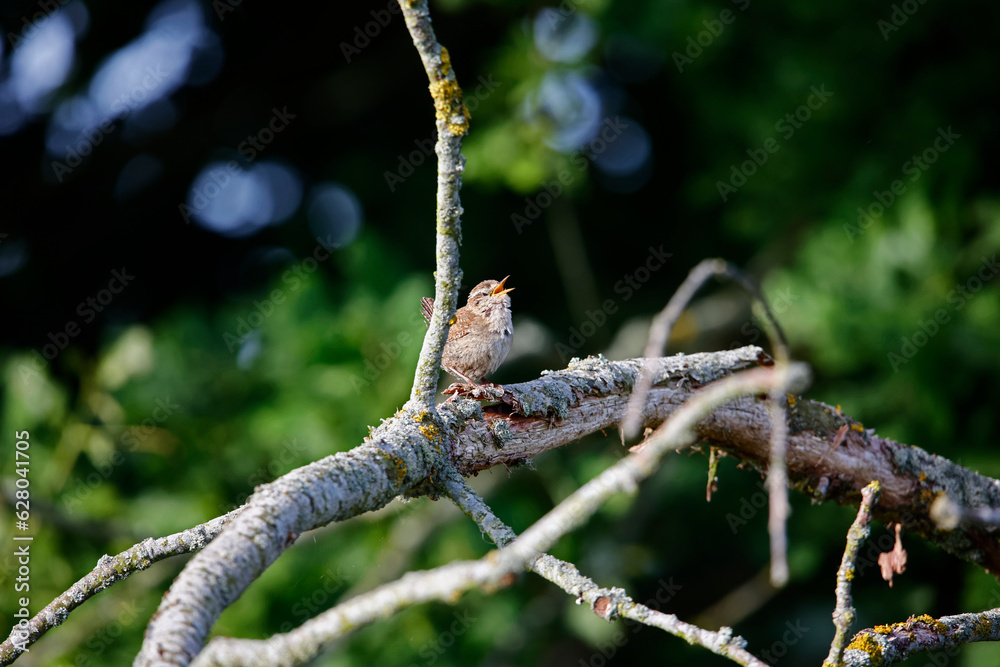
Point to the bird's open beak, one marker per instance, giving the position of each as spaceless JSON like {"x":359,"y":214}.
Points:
{"x":498,"y":290}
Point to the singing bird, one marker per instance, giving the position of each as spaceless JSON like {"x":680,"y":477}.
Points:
{"x":481,"y":332}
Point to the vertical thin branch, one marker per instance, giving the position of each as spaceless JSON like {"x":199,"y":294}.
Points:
{"x":452,"y":120}
{"x":659,"y":335}
{"x":777,"y":489}
{"x":844,"y":614}
{"x":659,"y":332}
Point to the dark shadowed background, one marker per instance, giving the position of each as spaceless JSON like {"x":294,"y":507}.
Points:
{"x":217,"y":223}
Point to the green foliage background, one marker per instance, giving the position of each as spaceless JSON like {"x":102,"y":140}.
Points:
{"x":107,"y":471}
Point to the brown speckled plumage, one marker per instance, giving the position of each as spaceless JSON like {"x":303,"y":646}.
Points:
{"x":479,"y":339}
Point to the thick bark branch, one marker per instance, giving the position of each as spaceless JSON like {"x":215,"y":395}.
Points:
{"x":830,"y":455}
{"x":333,"y":489}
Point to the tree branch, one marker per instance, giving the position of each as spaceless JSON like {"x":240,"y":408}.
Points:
{"x":831,"y":456}
{"x":305,"y":642}
{"x":109,"y":571}
{"x":452,"y":124}
{"x":889,"y":644}
{"x":844,"y":613}
{"x":606,"y":603}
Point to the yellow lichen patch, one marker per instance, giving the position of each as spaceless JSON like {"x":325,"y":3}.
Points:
{"x":448,"y":106}
{"x":791,"y":400}
{"x":938,"y":626}
{"x":923,"y":476}
{"x":429,"y":430}
{"x":857,"y":427}
{"x":865,"y":642}
{"x":982,"y":628}
{"x":445,"y":62}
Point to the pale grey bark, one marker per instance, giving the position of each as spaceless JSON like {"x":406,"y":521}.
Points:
{"x":452,"y":122}
{"x":302,"y":644}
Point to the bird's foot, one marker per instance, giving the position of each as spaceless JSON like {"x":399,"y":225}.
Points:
{"x":487,"y":391}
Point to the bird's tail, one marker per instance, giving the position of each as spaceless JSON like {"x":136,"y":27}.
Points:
{"x":427,"y":308}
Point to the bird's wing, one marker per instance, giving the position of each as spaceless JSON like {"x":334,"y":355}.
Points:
{"x":461,"y":324}
{"x":427,"y":308}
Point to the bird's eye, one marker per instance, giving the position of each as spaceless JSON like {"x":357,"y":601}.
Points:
{"x":484,"y":294}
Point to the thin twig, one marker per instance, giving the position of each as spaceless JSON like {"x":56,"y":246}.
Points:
{"x":109,"y":571}
{"x":605,"y":602}
{"x":777,"y":489}
{"x":452,"y":120}
{"x":659,"y":332}
{"x":844,"y":613}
